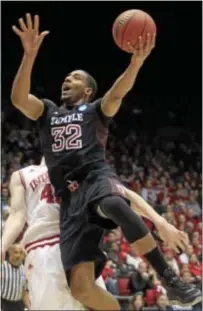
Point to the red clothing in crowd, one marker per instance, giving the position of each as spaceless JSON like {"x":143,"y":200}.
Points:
{"x":196,"y":269}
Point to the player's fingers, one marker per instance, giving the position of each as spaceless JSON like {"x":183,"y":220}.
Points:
{"x":181,"y":245}
{"x":42,"y":36}
{"x":44,"y":33}
{"x":153,"y":40}
{"x":29,"y":21}
{"x":184,"y":237}
{"x":140,"y":44}
{"x":131,"y":48}
{"x":17,"y":31}
{"x":22,"y":24}
{"x":36,"y":23}
{"x":148,"y":43}
{"x":184,"y":240}
{"x":175,"y":248}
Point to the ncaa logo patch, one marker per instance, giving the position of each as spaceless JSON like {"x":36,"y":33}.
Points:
{"x":82,"y":108}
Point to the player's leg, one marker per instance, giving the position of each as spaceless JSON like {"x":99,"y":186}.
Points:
{"x":63,"y":299}
{"x":47,"y":281}
{"x":85,"y":290}
{"x":36,"y":279}
{"x":117,"y":209}
{"x":84,"y":261}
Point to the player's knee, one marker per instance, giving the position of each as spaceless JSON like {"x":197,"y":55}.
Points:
{"x":118,"y":210}
{"x":111,"y":205}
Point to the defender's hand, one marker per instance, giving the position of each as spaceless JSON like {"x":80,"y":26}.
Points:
{"x":172,"y":236}
{"x":29,"y":34}
{"x":143,"y":49}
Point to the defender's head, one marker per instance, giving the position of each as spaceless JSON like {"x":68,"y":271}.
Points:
{"x":78,"y":87}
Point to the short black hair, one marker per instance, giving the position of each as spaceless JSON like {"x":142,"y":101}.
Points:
{"x":91,"y":82}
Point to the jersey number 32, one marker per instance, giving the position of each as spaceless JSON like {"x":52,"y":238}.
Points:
{"x":66,"y":137}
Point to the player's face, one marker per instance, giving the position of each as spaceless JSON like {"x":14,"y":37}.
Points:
{"x":74,"y":88}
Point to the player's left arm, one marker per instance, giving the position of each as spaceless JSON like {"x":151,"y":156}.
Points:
{"x":168,"y":233}
{"x":140,"y":206}
{"x":113,"y":98}
{"x":17,"y":217}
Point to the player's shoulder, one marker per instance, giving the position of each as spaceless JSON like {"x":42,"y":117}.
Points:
{"x":14,"y":176}
{"x":96,"y":103}
{"x":15,"y":179}
{"x":96,"y":107}
{"x":28,"y":169}
{"x":34,"y":169}
{"x":48,"y":103}
{"x":90,"y":107}
{"x":49,"y":108}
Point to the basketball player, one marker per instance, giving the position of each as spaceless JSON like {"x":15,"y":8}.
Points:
{"x":32,"y":201}
{"x":73,"y":139}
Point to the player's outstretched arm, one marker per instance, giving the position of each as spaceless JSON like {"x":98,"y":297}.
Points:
{"x":140,"y":206}
{"x":17,"y":218}
{"x":112,"y":99}
{"x":168,"y":233}
{"x":31,"y":41}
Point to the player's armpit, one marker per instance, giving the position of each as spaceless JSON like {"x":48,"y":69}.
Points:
{"x":17,"y":217}
{"x":32,"y":109}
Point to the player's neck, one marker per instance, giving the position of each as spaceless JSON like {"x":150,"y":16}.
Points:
{"x":78,"y":103}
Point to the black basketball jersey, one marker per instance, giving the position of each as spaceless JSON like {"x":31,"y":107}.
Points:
{"x":73,"y":141}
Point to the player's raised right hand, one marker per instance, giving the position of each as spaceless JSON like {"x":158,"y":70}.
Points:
{"x":29,"y":34}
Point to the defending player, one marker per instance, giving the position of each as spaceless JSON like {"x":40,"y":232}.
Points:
{"x":73,"y":139}
{"x":33,"y":202}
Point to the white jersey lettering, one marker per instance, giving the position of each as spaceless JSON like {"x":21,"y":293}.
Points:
{"x":42,"y":206}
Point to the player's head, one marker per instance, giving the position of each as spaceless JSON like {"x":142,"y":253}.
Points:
{"x":78,"y":86}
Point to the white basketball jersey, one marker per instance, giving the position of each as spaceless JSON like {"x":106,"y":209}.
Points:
{"x":42,"y":206}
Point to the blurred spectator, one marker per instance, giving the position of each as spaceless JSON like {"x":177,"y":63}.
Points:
{"x":112,"y":283}
{"x":184,"y":257}
{"x":113,"y":253}
{"x":189,"y":227}
{"x":108,"y":270}
{"x":181,"y":222}
{"x":138,"y":302}
{"x":169,"y":256}
{"x":132,"y":259}
{"x":163,"y":303}
{"x":108,"y":240}
{"x":194,"y":205}
{"x":140,"y":280}
{"x":148,"y":193}
{"x":195,"y":266}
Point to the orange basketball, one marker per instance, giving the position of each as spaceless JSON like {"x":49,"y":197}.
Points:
{"x":129,"y":26}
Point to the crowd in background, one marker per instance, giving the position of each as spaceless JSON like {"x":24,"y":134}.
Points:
{"x":166,"y":173}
